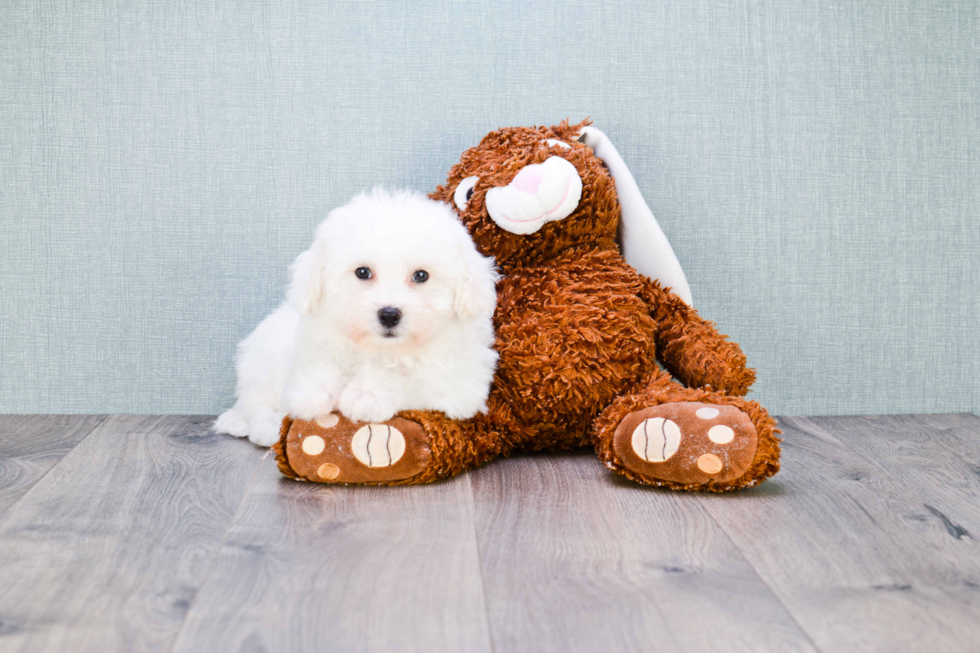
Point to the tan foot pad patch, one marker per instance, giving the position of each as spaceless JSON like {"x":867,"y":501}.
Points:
{"x":686,"y":442}
{"x":332,"y":449}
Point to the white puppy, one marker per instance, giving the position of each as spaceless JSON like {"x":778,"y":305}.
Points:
{"x":390,"y":309}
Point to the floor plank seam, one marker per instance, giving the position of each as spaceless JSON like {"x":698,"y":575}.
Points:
{"x":775,"y":594}
{"x":217,"y":551}
{"x":656,"y":600}
{"x":748,"y":560}
{"x":102,"y":420}
{"x":479,"y":562}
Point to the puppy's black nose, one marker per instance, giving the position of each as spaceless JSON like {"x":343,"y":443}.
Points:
{"x":389,"y":317}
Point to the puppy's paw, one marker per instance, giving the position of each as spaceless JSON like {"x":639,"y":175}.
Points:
{"x":307,"y":400}
{"x":264,"y":427}
{"x":360,"y":404}
{"x":264,"y":437}
{"x":231,"y":422}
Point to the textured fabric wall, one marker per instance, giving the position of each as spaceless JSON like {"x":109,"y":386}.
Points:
{"x":816,"y":166}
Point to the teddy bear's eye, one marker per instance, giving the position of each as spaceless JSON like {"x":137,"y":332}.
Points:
{"x":363,"y":273}
{"x":464,"y":192}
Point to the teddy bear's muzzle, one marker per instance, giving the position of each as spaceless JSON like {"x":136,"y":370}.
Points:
{"x":540,"y":193}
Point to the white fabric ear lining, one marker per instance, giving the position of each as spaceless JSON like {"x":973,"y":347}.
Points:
{"x":642,"y":241}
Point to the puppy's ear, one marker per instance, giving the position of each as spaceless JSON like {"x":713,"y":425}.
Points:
{"x":306,"y":279}
{"x":476,"y":284}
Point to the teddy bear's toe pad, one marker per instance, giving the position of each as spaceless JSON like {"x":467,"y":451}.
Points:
{"x":686,"y":442}
{"x":332,"y":449}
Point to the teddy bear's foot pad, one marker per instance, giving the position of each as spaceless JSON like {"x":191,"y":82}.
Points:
{"x":332,"y":449}
{"x":686,"y":442}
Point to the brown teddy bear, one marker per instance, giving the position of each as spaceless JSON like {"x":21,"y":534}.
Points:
{"x":579,"y":333}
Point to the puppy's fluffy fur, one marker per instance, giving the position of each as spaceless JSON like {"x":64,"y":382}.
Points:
{"x":326,"y":348}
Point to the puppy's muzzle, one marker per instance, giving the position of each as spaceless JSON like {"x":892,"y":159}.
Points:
{"x":389,"y":317}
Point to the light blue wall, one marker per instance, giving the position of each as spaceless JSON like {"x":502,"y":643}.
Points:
{"x":815,"y":165}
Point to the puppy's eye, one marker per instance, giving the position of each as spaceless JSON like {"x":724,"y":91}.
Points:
{"x":363,"y":273}
{"x":464,"y":192}
{"x":420,"y":276}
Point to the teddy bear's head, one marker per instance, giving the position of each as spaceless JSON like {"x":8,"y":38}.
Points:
{"x":526,"y":194}
{"x":529,"y":193}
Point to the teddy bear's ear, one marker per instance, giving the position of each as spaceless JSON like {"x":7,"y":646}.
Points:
{"x":641,"y":239}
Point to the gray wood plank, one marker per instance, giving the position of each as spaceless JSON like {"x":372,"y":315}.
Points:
{"x":934,"y":457}
{"x":849,"y":548}
{"x":30,"y":445}
{"x":107,"y":551}
{"x":577,"y":559}
{"x":310,"y":567}
{"x":949,"y":420}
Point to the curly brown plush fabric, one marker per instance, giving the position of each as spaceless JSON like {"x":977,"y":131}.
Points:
{"x":580,"y":333}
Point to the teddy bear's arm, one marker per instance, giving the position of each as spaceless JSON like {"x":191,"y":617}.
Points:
{"x":691,"y":348}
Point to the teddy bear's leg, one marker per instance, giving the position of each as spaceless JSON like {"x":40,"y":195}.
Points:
{"x":687,"y":438}
{"x":413,"y":447}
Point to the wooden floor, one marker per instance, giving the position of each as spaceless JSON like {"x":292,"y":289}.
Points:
{"x":131,"y":533}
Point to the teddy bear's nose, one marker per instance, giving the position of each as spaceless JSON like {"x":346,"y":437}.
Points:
{"x":528,"y":179}
{"x":538,"y":193}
